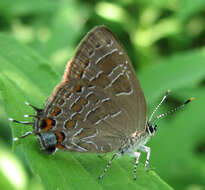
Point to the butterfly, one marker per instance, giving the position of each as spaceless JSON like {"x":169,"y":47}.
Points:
{"x":99,"y":106}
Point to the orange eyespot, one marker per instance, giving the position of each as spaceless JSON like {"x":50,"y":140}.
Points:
{"x":47,"y":124}
{"x":56,"y":112}
{"x":60,"y":136}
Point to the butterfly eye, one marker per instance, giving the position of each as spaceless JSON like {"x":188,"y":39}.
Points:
{"x":151,"y":129}
{"x":155,"y":127}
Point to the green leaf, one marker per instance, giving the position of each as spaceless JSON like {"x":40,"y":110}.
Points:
{"x":26,"y":76}
{"x":64,"y":32}
{"x":12,"y":174}
{"x":24,"y":7}
{"x":172,"y":73}
{"x":187,"y":9}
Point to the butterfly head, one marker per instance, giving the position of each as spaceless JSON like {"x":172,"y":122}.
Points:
{"x":151,"y":129}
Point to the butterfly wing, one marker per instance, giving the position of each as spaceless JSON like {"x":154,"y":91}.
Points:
{"x":101,"y":101}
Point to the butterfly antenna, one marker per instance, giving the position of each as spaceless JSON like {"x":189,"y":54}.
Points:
{"x":173,"y":110}
{"x":157,"y":107}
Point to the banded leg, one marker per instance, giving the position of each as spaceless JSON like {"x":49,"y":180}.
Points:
{"x":108,"y":166}
{"x":137,"y":156}
{"x":22,"y":122}
{"x":23,"y":136}
{"x":148,"y":151}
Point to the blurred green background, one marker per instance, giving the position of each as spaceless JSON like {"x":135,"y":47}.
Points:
{"x":165,"y":41}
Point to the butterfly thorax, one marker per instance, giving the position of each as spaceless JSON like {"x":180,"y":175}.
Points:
{"x":137,"y":140}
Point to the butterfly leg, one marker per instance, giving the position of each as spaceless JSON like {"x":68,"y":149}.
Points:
{"x":22,"y":122}
{"x":148,"y":151}
{"x":137,"y":156}
{"x":23,"y":136}
{"x":108,"y":166}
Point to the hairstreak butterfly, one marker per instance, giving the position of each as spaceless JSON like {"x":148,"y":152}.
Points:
{"x":99,"y":106}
